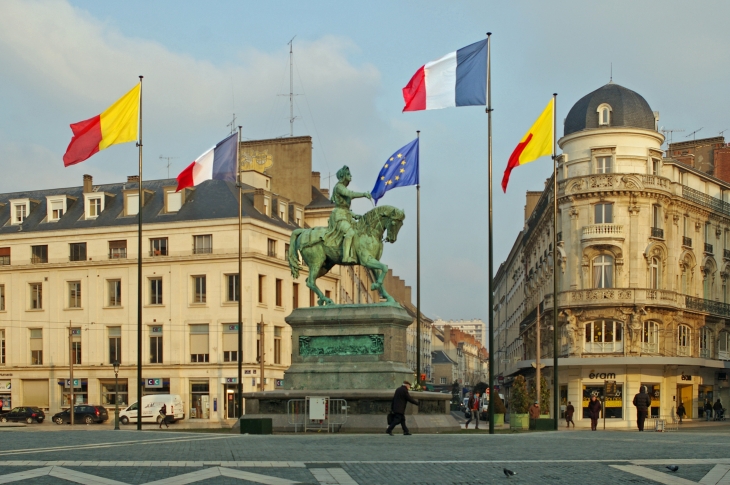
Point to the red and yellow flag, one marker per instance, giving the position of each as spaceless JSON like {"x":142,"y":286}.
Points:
{"x":118,"y":124}
{"x":537,"y":142}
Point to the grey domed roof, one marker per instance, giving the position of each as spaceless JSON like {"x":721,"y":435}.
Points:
{"x":628,"y":108}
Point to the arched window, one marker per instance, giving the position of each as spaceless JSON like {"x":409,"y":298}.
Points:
{"x":684,"y":340}
{"x":604,"y":115}
{"x":706,"y":343}
{"x":650,"y":338}
{"x":603,"y":271}
{"x":604,"y":336}
{"x":723,"y":346}
{"x":655,"y":272}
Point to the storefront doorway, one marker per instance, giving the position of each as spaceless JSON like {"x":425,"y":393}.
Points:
{"x":199,"y":400}
{"x":563,"y":400}
{"x":654,"y":391}
{"x":684,"y":395}
{"x":231,"y":401}
{"x":5,"y":401}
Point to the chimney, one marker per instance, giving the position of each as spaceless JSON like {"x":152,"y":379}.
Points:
{"x":408,"y":295}
{"x":88,"y":185}
{"x":258,"y":201}
{"x":315,"y":180}
{"x":132,"y":179}
{"x":325,"y":192}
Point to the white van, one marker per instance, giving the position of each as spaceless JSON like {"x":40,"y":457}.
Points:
{"x":151,"y":409}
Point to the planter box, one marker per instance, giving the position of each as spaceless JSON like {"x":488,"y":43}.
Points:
{"x":256,"y":426}
{"x":519,"y":421}
{"x":544,"y":424}
{"x":498,"y":419}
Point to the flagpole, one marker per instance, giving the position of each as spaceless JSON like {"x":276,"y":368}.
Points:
{"x":418,"y":266}
{"x":490,"y":337}
{"x":556,"y":387}
{"x":139,"y":269}
{"x":239,"y":397}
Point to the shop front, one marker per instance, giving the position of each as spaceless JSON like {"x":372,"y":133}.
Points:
{"x":230,"y":388}
{"x":110,"y":392}
{"x":6,"y":402}
{"x":199,"y":399}
{"x":155,"y":385}
{"x":80,"y":391}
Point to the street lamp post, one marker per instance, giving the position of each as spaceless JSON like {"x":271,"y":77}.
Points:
{"x":116,"y":394}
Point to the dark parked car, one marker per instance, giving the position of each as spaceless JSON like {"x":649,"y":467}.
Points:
{"x":23,"y":413}
{"x":83,"y":413}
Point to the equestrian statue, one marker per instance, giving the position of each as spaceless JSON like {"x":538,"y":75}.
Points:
{"x":348,"y":239}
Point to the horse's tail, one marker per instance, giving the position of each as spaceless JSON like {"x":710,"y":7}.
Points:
{"x":294,"y":253}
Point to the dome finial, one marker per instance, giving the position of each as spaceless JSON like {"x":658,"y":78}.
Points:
{"x":610,"y":79}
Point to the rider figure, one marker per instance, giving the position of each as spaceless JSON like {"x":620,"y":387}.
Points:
{"x":341,"y":220}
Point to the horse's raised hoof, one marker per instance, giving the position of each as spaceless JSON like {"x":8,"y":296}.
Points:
{"x":374,"y":287}
{"x":325,"y":301}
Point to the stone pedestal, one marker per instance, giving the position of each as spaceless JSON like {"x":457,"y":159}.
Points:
{"x":348,"y":347}
{"x":356,"y":353}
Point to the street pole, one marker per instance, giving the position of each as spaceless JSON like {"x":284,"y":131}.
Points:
{"x":139,"y":269}
{"x":537,"y":355}
{"x":263,"y":352}
{"x":418,"y":270}
{"x":489,"y":236}
{"x":71,"y":371}
{"x":556,"y":266}
{"x":116,"y":395}
{"x":239,"y":385}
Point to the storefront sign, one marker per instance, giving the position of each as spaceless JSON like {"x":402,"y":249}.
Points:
{"x":5,"y":386}
{"x":75,"y":331}
{"x":66,"y":383}
{"x":247,"y":371}
{"x":153,"y":383}
{"x":279,"y":382}
{"x":233,"y":328}
{"x":602,"y":375}
{"x":6,"y":375}
{"x":686,"y":377}
{"x":231,"y":380}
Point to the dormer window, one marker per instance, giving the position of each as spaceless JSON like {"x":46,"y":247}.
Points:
{"x":132,"y":204}
{"x":56,"y":210}
{"x":173,"y":201}
{"x":56,"y":207}
{"x":604,"y":115}
{"x":19,"y":210}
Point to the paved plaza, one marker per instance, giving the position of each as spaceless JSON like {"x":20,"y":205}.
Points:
{"x":105,"y":457}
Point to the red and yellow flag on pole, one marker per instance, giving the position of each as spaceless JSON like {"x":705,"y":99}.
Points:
{"x":119,"y":123}
{"x":537,"y":142}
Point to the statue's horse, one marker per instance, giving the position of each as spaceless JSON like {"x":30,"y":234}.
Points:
{"x":367,"y":246}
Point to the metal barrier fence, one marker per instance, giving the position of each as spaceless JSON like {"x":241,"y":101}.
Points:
{"x":316,"y":414}
{"x":665,"y":423}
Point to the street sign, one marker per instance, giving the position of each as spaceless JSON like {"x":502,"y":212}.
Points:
{"x":153,"y":383}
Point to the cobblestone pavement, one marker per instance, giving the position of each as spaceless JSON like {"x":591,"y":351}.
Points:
{"x":104,"y":457}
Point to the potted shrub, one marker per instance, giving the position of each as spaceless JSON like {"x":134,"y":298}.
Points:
{"x":519,"y":403}
{"x":499,"y":411}
{"x":544,"y":397}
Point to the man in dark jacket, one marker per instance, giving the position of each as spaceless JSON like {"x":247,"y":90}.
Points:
{"x":642,"y":401}
{"x":398,"y":408}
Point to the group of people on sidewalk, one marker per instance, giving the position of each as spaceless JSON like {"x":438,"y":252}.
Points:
{"x":708,"y":408}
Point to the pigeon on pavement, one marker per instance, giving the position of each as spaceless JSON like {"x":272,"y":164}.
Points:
{"x":509,"y":473}
{"x":672,"y":468}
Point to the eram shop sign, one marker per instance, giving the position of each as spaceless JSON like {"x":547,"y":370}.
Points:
{"x":601,"y":375}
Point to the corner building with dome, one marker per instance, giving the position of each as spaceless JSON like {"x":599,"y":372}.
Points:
{"x":643,"y":265}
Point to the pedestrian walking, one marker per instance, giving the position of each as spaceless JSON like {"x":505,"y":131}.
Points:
{"x":642,"y":401}
{"x":163,"y":416}
{"x":681,"y":412}
{"x":717,"y":407}
{"x":473,"y":405}
{"x":569,"y":410}
{"x":594,"y":411}
{"x":534,"y":413}
{"x":401,"y":398}
{"x":708,"y":409}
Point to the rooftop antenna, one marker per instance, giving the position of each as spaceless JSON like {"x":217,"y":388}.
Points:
{"x":232,"y":124}
{"x":168,"y":163}
{"x":291,"y":87}
{"x":723,"y":131}
{"x":694,"y":134}
{"x":668,"y":131}
{"x":610,"y":80}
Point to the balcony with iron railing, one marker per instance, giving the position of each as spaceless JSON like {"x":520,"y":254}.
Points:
{"x":708,"y":248}
{"x":686,"y":241}
{"x":657,"y":232}
{"x":203,"y":250}
{"x":705,"y":200}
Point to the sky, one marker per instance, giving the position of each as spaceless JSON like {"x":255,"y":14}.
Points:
{"x":64,"y":61}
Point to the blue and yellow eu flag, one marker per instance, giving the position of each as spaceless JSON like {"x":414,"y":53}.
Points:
{"x":400,"y":169}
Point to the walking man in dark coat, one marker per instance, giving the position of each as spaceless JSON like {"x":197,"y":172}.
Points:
{"x":398,"y":407}
{"x":642,"y":401}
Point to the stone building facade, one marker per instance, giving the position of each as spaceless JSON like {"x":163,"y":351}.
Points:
{"x":644,"y":255}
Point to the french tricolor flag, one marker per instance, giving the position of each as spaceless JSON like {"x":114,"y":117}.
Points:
{"x":457,"y":79}
{"x":217,"y":163}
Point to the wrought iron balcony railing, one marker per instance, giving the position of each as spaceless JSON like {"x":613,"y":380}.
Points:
{"x":687,"y":241}
{"x":708,"y":248}
{"x":657,"y":232}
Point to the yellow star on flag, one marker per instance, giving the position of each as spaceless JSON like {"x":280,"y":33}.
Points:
{"x":397,"y":177}
{"x":382,"y":178}
{"x":402,"y":170}
{"x":391,"y":159}
{"x":400,"y":155}
{"x":386,"y":165}
{"x":403,"y":162}
{"x":389,"y":182}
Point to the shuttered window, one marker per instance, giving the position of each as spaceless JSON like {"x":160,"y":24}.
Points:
{"x":230,"y":343}
{"x":4,"y":256}
{"x":36,"y":346}
{"x":199,"y":343}
{"x":35,"y":393}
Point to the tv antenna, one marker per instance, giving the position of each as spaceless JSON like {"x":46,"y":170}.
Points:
{"x":723,"y":131}
{"x":694,"y":134}
{"x":668,"y":131}
{"x":168,"y":163}
{"x":291,"y":87}
{"x":232,"y":124}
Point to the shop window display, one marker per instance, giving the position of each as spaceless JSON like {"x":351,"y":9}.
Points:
{"x":612,"y":407}
{"x":199,"y":400}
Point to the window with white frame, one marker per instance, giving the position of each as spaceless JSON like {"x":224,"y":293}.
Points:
{"x":650,"y":338}
{"x":74,"y":294}
{"x":723,"y":346}
{"x":604,"y":336}
{"x":36,"y":296}
{"x":604,"y":165}
{"x":199,"y":344}
{"x":655,"y":166}
{"x":684,"y":340}
{"x":233,"y":282}
{"x":94,"y":208}
{"x":155,"y":344}
{"x":56,"y":209}
{"x":203,"y":244}
{"x":132,"y":204}
{"x":656,"y":219}
{"x":115,"y":344}
{"x":655,"y":269}
{"x":199,"y":289}
{"x":115,"y":292}
{"x":36,"y":346}
{"x":705,"y":343}
{"x":20,"y":213}
{"x":173,"y":201}
{"x":603,"y":271}
{"x":155,"y":291}
{"x":603,"y":213}
{"x":230,"y":342}
{"x":604,"y":115}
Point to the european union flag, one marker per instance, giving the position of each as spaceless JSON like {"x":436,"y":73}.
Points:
{"x":400,"y":170}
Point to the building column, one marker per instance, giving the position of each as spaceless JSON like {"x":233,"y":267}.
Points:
{"x":634,"y":259}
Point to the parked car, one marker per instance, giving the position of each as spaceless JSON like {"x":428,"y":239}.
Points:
{"x":83,"y":413}
{"x":23,"y":413}
{"x":151,"y":405}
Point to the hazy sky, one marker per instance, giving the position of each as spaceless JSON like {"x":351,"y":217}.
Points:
{"x":65,"y":61}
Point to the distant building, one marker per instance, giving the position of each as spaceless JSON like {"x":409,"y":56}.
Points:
{"x":474,"y":327}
